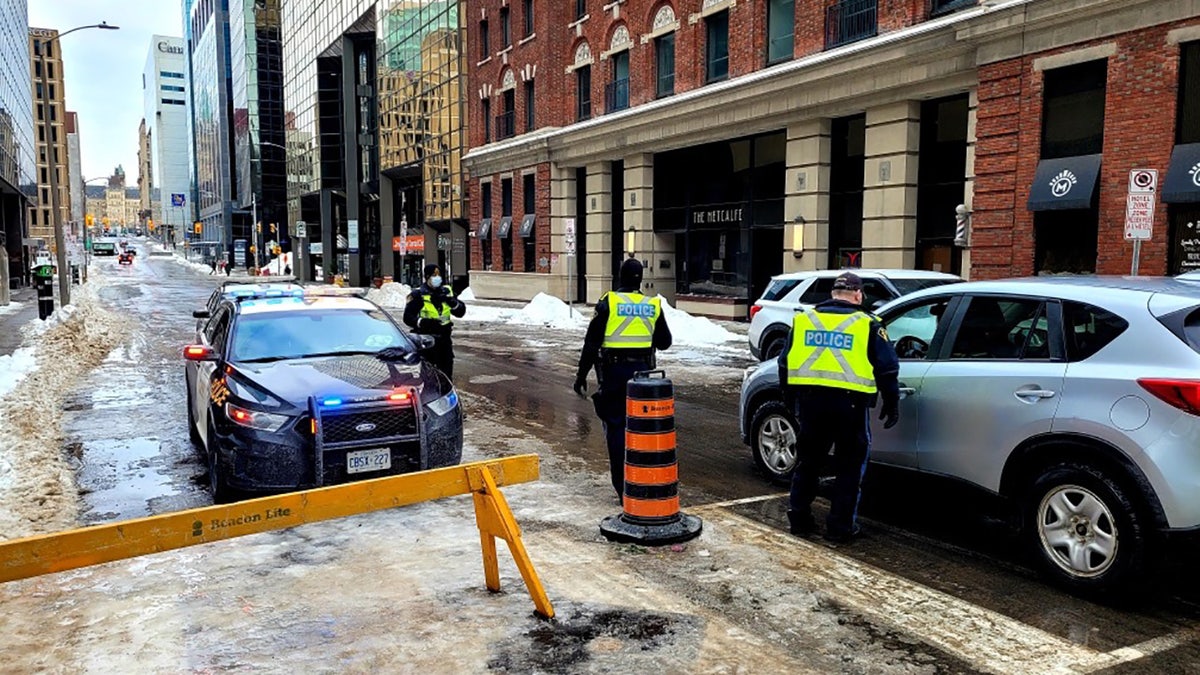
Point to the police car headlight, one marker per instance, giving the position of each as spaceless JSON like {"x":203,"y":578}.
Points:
{"x":444,"y":404}
{"x":255,"y":419}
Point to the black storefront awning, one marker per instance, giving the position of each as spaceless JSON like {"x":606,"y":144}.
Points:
{"x":1065,"y":183}
{"x":505,"y":227}
{"x":485,"y":229}
{"x":1183,"y":176}
{"x":527,"y":226}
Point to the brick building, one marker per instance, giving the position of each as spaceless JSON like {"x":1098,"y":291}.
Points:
{"x":724,"y":141}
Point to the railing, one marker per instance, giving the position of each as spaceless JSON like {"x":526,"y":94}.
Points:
{"x":506,"y":125}
{"x":616,"y":95}
{"x":849,"y":21}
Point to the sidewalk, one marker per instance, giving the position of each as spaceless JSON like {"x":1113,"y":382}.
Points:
{"x":11,"y":320}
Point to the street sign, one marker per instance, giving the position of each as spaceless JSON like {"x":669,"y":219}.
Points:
{"x":177,"y":199}
{"x":1139,"y":204}
{"x":352,"y":235}
{"x":569,"y":236}
{"x":301,"y":229}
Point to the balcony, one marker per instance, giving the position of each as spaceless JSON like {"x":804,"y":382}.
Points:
{"x":850,"y":21}
{"x":506,"y":125}
{"x":616,"y":95}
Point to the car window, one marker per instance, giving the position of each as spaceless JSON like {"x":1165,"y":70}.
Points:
{"x":1089,"y":329}
{"x":1002,"y":328}
{"x":874,"y":292}
{"x":217,"y":330}
{"x":911,"y":331}
{"x":779,"y":288}
{"x":296,"y":334}
{"x":818,"y":291}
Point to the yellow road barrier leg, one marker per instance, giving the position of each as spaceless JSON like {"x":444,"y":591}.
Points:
{"x":495,"y":519}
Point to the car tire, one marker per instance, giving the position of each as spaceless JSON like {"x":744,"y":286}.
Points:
{"x":1085,"y":530}
{"x":218,"y":485}
{"x":773,"y":433}
{"x":193,"y":432}
{"x":772,"y":346}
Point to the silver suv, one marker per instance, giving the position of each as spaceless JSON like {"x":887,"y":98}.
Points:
{"x":771,"y":315}
{"x":1078,"y":399}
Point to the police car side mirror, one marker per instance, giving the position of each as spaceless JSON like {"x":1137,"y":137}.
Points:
{"x":200,"y":314}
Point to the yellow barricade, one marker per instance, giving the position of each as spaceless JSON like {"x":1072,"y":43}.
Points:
{"x":72,"y":549}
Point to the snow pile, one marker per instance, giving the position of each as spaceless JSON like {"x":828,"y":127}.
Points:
{"x":199,"y":267}
{"x":543,"y":310}
{"x":390,"y":294}
{"x":695,"y":330}
{"x":467,"y":295}
{"x":37,"y":483}
{"x":10,"y":308}
{"x":14,"y":368}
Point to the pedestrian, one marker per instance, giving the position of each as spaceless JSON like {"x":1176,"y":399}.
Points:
{"x":212,"y":262}
{"x":626,"y":330}
{"x":836,"y":362}
{"x":431,"y":310}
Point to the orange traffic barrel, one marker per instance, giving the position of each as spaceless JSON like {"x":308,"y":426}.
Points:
{"x":650,"y":503}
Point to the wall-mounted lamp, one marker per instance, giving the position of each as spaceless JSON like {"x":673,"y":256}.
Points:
{"x":798,"y":236}
{"x":962,"y":219}
{"x":630,"y":240}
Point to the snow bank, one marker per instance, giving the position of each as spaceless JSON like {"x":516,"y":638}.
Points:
{"x":390,"y":294}
{"x":10,"y":308}
{"x":543,"y":310}
{"x":695,"y":330}
{"x":467,"y":295}
{"x":14,"y":368}
{"x":37,"y":483}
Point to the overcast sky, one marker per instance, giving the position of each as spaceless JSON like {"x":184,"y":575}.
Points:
{"x":103,"y":71}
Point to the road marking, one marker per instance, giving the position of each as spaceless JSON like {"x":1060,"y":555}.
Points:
{"x":744,"y":500}
{"x":1149,"y":647}
{"x":986,"y":639}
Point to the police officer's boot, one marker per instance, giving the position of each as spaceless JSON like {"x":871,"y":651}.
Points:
{"x":801,"y":523}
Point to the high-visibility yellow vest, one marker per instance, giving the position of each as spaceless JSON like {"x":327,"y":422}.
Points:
{"x":430,"y":310}
{"x":830,"y":350}
{"x":631,"y":318}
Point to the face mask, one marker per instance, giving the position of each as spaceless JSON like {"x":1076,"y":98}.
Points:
{"x":435,"y":281}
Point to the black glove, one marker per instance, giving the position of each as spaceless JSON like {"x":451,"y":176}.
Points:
{"x":580,"y":387}
{"x":890,"y":414}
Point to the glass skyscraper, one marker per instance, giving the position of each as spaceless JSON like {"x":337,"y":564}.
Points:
{"x":17,"y":167}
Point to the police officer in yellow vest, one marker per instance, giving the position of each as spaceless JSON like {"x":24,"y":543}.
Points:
{"x":836,"y":362}
{"x":431,"y":310}
{"x":625,"y":331}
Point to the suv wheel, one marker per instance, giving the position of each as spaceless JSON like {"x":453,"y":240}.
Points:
{"x":1084,"y":529}
{"x":772,"y":346}
{"x":773,"y":440}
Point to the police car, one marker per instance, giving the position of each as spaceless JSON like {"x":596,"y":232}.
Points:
{"x":292,"y":388}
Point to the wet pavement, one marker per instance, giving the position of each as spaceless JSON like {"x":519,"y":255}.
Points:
{"x":13,"y":317}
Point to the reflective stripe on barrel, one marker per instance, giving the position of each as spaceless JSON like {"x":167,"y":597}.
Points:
{"x":651,"y":466}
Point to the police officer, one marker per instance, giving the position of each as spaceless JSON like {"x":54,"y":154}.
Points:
{"x":625,"y":331}
{"x":431,"y":310}
{"x":835,"y":363}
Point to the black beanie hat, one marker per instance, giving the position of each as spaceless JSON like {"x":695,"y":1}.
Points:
{"x":631,"y":273}
{"x":430,"y":269}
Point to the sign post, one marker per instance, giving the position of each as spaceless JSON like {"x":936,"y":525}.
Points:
{"x":1139,"y":211}
{"x":569,"y":245}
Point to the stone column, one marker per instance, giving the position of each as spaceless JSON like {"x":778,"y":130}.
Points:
{"x":806,"y":196}
{"x":969,"y":189}
{"x":890,"y":186}
{"x":562,"y":207}
{"x":599,"y":229}
{"x":648,"y":247}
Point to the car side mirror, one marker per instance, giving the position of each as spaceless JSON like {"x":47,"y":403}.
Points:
{"x":424,"y":342}
{"x":201,"y":314}
{"x":199,"y":353}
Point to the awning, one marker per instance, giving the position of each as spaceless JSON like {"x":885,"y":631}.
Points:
{"x":1065,"y":183}
{"x":505,"y":227}
{"x":527,"y":226}
{"x":1182,"y":184}
{"x":485,"y":229}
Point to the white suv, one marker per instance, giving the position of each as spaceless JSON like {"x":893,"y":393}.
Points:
{"x":771,"y":315}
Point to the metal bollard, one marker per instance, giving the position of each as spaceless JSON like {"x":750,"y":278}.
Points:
{"x":650,"y":506}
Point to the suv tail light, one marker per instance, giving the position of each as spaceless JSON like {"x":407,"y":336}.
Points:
{"x":754,"y":309}
{"x":1182,"y":394}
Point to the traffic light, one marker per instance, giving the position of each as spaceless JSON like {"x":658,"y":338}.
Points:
{"x":198,"y":227}
{"x":89,"y":219}
{"x":150,"y":224}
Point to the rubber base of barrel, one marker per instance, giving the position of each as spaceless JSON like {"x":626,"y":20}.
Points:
{"x":616,"y":528}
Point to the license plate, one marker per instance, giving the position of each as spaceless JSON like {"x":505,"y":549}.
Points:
{"x":362,"y":461}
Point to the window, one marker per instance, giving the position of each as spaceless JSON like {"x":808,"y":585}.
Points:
{"x":506,"y":204}
{"x":664,"y":65}
{"x":505,"y":27}
{"x":527,"y":7}
{"x":716,"y":48}
{"x":487,"y":121}
{"x":506,"y":122}
{"x":1003,"y":328}
{"x":530,"y":107}
{"x":818,"y":291}
{"x":1188,"y":127}
{"x":53,"y":113}
{"x":875,"y":294}
{"x":37,"y":89}
{"x":781,"y":23}
{"x":485,"y":49}
{"x":529,"y":194}
{"x":1089,"y":329}
{"x":41,"y":112}
{"x":37,"y":68}
{"x":167,"y":73}
{"x":583,"y":93}
{"x":173,"y":101}
{"x":217,"y":330}
{"x":912,"y":330}
{"x":780,"y":288}
{"x":580,"y":9}
{"x":485,"y":245}
{"x":171,"y":87}
{"x":1073,"y":110}
{"x":616,"y":93}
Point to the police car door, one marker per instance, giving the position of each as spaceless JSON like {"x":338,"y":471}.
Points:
{"x":202,"y":394}
{"x":915,"y":329}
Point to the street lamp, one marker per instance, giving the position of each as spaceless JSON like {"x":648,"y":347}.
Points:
{"x":64,"y":275}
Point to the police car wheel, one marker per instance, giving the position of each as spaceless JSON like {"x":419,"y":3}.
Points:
{"x":773,"y":441}
{"x":193,"y":432}
{"x":218,"y":487}
{"x":1084,"y":530}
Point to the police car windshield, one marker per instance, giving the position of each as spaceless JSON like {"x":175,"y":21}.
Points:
{"x":277,"y":336}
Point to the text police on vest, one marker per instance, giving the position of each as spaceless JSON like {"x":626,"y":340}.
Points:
{"x":828,"y":338}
